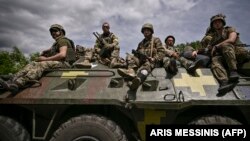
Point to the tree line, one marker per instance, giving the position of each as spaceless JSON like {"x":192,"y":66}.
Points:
{"x":11,"y":62}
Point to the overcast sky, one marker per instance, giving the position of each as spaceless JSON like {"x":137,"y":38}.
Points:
{"x":25,"y":23}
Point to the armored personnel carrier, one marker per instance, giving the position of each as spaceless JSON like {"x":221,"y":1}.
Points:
{"x":96,"y":105}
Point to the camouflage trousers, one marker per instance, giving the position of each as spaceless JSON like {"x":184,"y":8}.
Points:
{"x":34,"y":71}
{"x":182,"y":61}
{"x":136,"y":64}
{"x":228,"y":59}
{"x":93,"y":55}
{"x":242,"y":55}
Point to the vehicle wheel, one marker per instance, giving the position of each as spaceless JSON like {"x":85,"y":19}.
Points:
{"x":89,"y":128}
{"x":215,"y":120}
{"x":10,"y":130}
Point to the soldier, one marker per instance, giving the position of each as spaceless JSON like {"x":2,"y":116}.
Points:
{"x":202,"y":53}
{"x":149,"y":52}
{"x":60,"y":55}
{"x":106,"y":50}
{"x":109,"y":52}
{"x":224,"y":42}
{"x":173,"y":54}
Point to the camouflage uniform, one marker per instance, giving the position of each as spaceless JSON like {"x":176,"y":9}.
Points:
{"x":144,"y":47}
{"x":84,"y":57}
{"x":111,"y":52}
{"x":151,"y":48}
{"x":229,"y":54}
{"x":106,"y":51}
{"x":34,"y":70}
{"x":226,"y":56}
{"x":169,"y":62}
{"x":87,"y":55}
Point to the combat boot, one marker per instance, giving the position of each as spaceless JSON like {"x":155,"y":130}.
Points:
{"x":225,"y":87}
{"x":127,"y":73}
{"x":194,"y":65}
{"x":234,"y":76}
{"x":86,"y":64}
{"x":172,"y":68}
{"x":136,"y":82}
{"x":9,"y":86}
{"x":83,"y":64}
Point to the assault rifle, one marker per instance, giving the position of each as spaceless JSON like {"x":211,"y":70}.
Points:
{"x":103,"y":44}
{"x":100,"y":39}
{"x":140,"y":55}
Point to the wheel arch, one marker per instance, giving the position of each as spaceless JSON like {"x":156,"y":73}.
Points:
{"x":120,"y":115}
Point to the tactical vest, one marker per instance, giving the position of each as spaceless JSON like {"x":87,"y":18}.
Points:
{"x":70,"y":54}
{"x":225,"y":35}
{"x":144,"y":47}
{"x":108,"y":38}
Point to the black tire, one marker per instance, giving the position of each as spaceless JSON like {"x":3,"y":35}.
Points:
{"x":10,"y":130}
{"x":89,"y":128}
{"x":215,"y":120}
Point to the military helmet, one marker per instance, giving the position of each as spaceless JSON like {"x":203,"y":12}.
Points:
{"x":170,"y":36}
{"x":149,"y":26}
{"x":58,"y":26}
{"x":218,"y":17}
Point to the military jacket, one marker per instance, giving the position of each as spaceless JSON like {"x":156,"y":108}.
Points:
{"x":110,"y":39}
{"x":169,"y":50}
{"x":144,"y":47}
{"x":217,"y":38}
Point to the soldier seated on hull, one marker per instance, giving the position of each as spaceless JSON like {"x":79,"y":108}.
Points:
{"x":86,"y":55}
{"x":225,"y":53}
{"x":60,"y":55}
{"x":147,"y":54}
{"x":106,"y":50}
{"x":173,"y":55}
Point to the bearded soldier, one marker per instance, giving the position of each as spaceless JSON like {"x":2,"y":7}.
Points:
{"x":225,"y":53}
{"x":60,"y":55}
{"x":149,"y":52}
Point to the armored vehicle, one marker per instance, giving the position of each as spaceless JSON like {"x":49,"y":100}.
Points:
{"x":96,"y":104}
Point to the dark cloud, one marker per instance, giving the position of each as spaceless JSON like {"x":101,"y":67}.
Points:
{"x":25,"y":23}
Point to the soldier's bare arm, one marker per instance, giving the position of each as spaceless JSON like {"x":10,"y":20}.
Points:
{"x":59,"y":56}
{"x":230,"y":40}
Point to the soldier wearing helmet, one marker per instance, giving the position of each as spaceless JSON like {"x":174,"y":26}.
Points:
{"x":173,"y":55}
{"x":60,"y":55}
{"x":152,"y":48}
{"x":225,"y":51}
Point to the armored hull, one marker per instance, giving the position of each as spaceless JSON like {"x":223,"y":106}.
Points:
{"x":100,"y":100}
